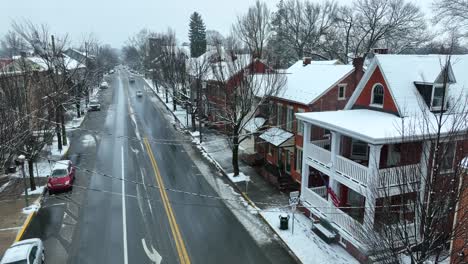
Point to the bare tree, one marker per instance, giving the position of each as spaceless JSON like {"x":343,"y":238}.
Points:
{"x":243,"y":92}
{"x":253,"y":28}
{"x":414,"y":215}
{"x":304,"y":24}
{"x":453,"y":13}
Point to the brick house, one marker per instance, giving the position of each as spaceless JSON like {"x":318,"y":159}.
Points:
{"x":459,"y":246}
{"x":311,"y":86}
{"x":376,"y":140}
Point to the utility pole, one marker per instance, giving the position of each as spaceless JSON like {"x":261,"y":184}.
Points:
{"x":21,"y":159}
{"x":57,"y":109}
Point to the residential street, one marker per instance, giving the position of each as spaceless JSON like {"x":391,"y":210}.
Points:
{"x":117,"y":214}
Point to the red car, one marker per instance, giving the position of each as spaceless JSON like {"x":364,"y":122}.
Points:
{"x":62,"y":177}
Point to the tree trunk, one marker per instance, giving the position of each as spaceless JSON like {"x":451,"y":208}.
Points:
{"x":194,"y":125}
{"x":78,"y":112}
{"x":57,"y":129}
{"x":174,"y":104}
{"x":235,"y":154}
{"x":167,"y":96}
{"x":32,"y":183}
{"x":64,"y":131}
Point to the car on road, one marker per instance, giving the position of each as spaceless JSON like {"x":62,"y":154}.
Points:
{"x":104,"y":85}
{"x":29,"y":251}
{"x":94,"y":105}
{"x":62,"y":177}
{"x":131,"y":79}
{"x":139,"y":93}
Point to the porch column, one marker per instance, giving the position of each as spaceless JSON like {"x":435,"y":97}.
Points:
{"x":424,"y":169}
{"x":372,"y":184}
{"x":305,"y":151}
{"x":335,"y":150}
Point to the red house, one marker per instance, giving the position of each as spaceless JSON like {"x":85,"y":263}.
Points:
{"x":382,"y":145}
{"x":311,"y":86}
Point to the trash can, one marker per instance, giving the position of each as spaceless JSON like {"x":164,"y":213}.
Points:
{"x":284,"y":221}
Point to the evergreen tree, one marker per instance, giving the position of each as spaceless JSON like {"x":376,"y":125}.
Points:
{"x":197,"y":35}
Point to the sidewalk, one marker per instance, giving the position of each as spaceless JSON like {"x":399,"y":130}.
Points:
{"x":270,"y":202}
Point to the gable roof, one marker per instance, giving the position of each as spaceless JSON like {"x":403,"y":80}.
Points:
{"x":305,"y":84}
{"x":401,"y":72}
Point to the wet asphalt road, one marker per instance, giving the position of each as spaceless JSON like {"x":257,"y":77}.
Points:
{"x":95,"y":223}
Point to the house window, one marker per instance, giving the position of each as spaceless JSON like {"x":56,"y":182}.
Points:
{"x":289,"y":118}
{"x":358,"y":149}
{"x":437,"y":96}
{"x":279,"y":115}
{"x":447,"y":156}
{"x":288,"y":161}
{"x":393,"y":157}
{"x":377,"y":95}
{"x":300,"y":124}
{"x":342,"y":92}
{"x":269,"y":149}
{"x":298,"y":160}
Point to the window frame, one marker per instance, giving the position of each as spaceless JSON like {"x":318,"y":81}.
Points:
{"x":279,"y":115}
{"x":358,"y":156}
{"x":299,"y":123}
{"x":373,"y":96}
{"x":454,"y":153}
{"x":342,"y":86}
{"x":434,"y":87}
{"x":299,"y":160}
{"x":289,"y":118}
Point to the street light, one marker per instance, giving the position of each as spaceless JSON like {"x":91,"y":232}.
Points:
{"x":21,"y":158}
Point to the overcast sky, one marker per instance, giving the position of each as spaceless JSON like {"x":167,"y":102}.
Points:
{"x":113,"y":21}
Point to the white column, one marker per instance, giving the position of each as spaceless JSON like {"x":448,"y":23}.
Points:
{"x":305,"y":166}
{"x":424,"y":166}
{"x":372,"y":184}
{"x":335,"y":150}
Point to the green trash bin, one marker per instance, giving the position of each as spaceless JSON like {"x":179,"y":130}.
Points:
{"x":284,"y":221}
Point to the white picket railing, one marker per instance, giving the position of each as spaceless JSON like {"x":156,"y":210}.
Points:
{"x":321,"y":142}
{"x":399,"y":175}
{"x":351,"y":169}
{"x":322,"y":190}
{"x":319,"y":155}
{"x":332,"y":213}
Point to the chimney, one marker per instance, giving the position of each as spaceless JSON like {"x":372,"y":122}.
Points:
{"x":307,"y":60}
{"x":358,"y":64}
{"x":381,"y":51}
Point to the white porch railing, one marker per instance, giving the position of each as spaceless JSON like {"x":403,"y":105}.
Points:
{"x":332,"y":213}
{"x":351,"y":170}
{"x":322,"y":190}
{"x":319,"y":155}
{"x":399,"y":175}
{"x":321,"y":143}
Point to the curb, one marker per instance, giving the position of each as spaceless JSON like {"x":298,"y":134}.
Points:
{"x":26,"y":223}
{"x":237,"y":188}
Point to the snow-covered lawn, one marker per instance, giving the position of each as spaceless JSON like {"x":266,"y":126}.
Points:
{"x":39,"y":190}
{"x":305,"y":244}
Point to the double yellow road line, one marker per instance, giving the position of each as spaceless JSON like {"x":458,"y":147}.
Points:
{"x":181,"y":250}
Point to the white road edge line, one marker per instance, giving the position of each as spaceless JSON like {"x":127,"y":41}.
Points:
{"x":124,"y":210}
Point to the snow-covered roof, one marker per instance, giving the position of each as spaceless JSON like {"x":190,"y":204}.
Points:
{"x":381,"y":128}
{"x":300,"y":63}
{"x":401,"y":72}
{"x":61,"y":164}
{"x":68,"y":62}
{"x":305,"y":84}
{"x":276,"y":136}
{"x":254,"y":124}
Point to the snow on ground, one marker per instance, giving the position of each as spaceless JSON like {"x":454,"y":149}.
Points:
{"x":31,"y":208}
{"x":305,"y":244}
{"x":39,"y":190}
{"x":239,"y":178}
{"x":4,"y":186}
{"x":42,"y":168}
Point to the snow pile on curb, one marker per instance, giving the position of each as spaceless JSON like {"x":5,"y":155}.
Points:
{"x":39,"y":190}
{"x":32,"y":208}
{"x":305,"y":244}
{"x":239,"y":178}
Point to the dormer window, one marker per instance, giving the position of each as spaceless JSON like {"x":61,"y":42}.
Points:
{"x":437,"y":96}
{"x":377,"y":95}
{"x":432,"y":95}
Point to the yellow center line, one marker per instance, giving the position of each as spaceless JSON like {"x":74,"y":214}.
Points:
{"x":180,"y":245}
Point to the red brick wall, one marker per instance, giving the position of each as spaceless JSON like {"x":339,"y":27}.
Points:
{"x":364,"y":98}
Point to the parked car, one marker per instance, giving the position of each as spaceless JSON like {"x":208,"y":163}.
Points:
{"x":29,"y":251}
{"x":139,"y":93}
{"x":131,"y":79}
{"x":104,"y":85}
{"x":62,"y":177}
{"x":94,"y":105}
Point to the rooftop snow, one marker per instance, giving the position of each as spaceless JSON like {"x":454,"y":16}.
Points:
{"x":276,"y":136}
{"x":61,"y":164}
{"x":300,"y":64}
{"x":304,"y":84}
{"x":254,"y":124}
{"x":402,"y":71}
{"x":378,"y":127}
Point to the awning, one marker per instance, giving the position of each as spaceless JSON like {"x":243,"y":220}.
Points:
{"x":254,"y":124}
{"x":278,"y":137}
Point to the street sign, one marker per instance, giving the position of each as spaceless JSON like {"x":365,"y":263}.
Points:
{"x":293,"y":198}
